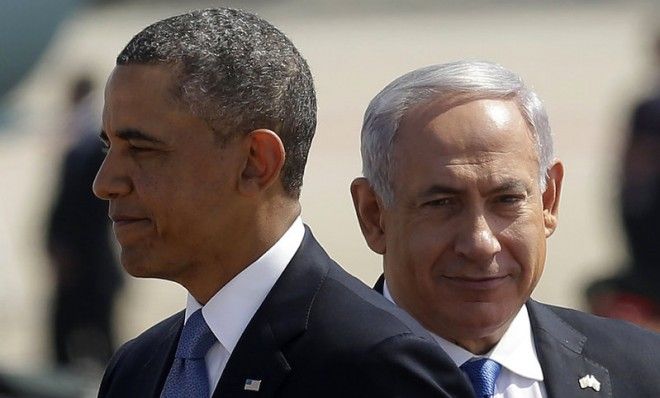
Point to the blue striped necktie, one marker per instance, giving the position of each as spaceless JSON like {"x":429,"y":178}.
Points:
{"x":482,"y":373}
{"x":188,"y":376}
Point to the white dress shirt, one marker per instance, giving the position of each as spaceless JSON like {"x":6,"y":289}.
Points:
{"x":230,"y":310}
{"x":521,"y":375}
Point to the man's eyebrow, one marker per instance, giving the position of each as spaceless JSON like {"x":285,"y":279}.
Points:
{"x":134,"y":134}
{"x":505,"y":186}
{"x":509,"y":186}
{"x":437,"y":189}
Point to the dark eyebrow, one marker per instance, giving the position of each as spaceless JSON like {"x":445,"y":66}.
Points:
{"x":440,"y":190}
{"x":133,"y":134}
{"x":510,"y":185}
{"x":506,"y":186}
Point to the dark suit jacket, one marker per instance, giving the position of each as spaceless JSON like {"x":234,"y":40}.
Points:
{"x":319,"y":333}
{"x":79,"y":228}
{"x":572,"y":344}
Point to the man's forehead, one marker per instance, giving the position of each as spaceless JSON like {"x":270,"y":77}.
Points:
{"x":485,"y":169}
{"x":140,"y":91}
{"x":468,"y":130}
{"x":143,"y":80}
{"x":139,"y":104}
{"x":488,"y":172}
{"x":462,"y":110}
{"x":482,"y":142}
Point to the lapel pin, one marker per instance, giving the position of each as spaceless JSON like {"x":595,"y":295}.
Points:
{"x":590,"y":381}
{"x":252,"y":385}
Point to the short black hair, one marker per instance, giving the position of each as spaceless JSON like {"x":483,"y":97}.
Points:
{"x":239,"y":73}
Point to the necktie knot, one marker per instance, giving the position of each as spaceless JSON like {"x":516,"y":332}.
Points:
{"x":482,"y":373}
{"x":196,"y":338}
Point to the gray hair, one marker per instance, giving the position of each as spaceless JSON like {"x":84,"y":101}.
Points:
{"x":238,"y":73}
{"x":452,"y":84}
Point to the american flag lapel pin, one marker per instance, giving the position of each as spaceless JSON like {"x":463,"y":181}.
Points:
{"x":252,"y":385}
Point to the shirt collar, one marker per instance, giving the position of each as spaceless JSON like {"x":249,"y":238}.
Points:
{"x":230,"y":310}
{"x":515,"y":351}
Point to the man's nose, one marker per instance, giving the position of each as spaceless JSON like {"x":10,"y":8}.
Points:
{"x":111,"y":180}
{"x":477,"y":241}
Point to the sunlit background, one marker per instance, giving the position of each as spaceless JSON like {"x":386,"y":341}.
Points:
{"x":588,"y":60}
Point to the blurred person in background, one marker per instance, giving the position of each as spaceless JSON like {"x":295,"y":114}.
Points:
{"x":460,"y":194}
{"x":86,"y":272}
{"x":208,"y":120}
{"x":634,"y":293}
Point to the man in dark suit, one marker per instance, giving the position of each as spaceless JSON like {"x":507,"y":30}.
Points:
{"x":87,"y":275}
{"x":461,"y":192}
{"x":208,"y":119}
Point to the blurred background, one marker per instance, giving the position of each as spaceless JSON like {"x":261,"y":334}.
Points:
{"x":590,"y":61}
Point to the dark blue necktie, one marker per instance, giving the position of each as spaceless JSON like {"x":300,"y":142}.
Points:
{"x":482,"y":373}
{"x":188,"y":377}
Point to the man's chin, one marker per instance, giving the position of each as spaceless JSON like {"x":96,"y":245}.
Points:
{"x":147,"y":265}
{"x":138,"y":265}
{"x":480,"y":320}
{"x":136,"y":270}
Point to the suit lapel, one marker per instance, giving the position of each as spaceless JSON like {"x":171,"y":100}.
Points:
{"x":259,"y":356}
{"x":560,"y":351}
{"x":257,"y":361}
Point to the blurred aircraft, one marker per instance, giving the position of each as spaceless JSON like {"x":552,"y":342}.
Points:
{"x":26,"y":28}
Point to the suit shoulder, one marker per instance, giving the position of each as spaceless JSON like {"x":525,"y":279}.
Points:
{"x":340,"y":298}
{"x":369,"y":346}
{"x":156,"y":332}
{"x":133,"y":356}
{"x":614,"y":341}
{"x":147,"y":339}
{"x":361,"y":310}
{"x":599,"y":327}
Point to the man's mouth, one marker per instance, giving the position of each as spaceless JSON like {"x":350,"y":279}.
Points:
{"x":127,"y":226}
{"x":478,"y":283}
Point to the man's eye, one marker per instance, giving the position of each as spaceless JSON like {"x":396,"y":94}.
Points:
{"x":440,"y":202}
{"x":137,"y":149}
{"x":511,"y":199}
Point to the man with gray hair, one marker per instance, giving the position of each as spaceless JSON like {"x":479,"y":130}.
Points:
{"x":460,"y":193}
{"x":208,"y":119}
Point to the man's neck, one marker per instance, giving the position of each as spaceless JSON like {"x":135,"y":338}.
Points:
{"x":477,"y":345}
{"x":268,"y":227}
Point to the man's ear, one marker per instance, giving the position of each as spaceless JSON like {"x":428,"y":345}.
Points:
{"x":264,"y":161}
{"x":551,"y":197}
{"x":369,"y":211}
